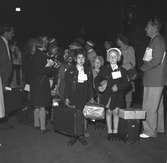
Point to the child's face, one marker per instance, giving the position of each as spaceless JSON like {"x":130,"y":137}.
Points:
{"x":80,"y":59}
{"x":113,"y":58}
{"x":97,"y":64}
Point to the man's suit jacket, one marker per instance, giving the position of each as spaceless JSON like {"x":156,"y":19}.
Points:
{"x":155,"y":70}
{"x":5,"y":63}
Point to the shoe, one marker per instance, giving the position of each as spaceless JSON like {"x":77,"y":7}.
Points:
{"x":109,"y":136}
{"x":43,"y":132}
{"x":36,"y":127}
{"x":72,"y":141}
{"x":144,"y":136}
{"x":115,"y":136}
{"x":82,"y":140}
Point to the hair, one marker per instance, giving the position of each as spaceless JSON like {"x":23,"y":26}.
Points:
{"x":109,"y":42}
{"x":123,"y":38}
{"x":100,"y":58}
{"x":155,"y":22}
{"x":6,"y":28}
{"x":39,"y":42}
{"x":28,"y":48}
{"x":79,"y":51}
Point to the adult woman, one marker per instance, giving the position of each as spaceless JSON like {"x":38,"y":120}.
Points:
{"x":78,"y":87}
{"x":40,"y":86}
{"x":112,"y":82}
{"x":128,"y":63}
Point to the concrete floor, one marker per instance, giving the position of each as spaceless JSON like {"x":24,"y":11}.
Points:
{"x":24,"y":144}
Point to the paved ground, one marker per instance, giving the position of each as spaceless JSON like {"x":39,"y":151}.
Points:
{"x":23,"y":144}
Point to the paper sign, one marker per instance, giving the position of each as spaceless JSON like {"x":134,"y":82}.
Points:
{"x":148,"y":55}
{"x":27,"y":87}
{"x":116,"y":75}
{"x":82,"y":77}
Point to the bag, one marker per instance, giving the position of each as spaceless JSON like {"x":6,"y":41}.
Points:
{"x":68,"y":121}
{"x":13,"y":100}
{"x":129,"y":130}
{"x":132,"y":113}
{"x":94,"y":111}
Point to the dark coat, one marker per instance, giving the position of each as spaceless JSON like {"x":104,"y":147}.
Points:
{"x":39,"y":84}
{"x":5,"y":63}
{"x":78,"y":93}
{"x":117,"y":98}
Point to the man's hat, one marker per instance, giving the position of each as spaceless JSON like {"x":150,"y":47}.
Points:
{"x":90,"y":43}
{"x":75,"y":45}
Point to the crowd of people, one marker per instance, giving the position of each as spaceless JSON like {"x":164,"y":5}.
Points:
{"x":78,"y":74}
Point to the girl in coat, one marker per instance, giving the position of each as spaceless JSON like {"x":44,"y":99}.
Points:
{"x":40,"y":86}
{"x":112,"y":82}
{"x":78,"y":87}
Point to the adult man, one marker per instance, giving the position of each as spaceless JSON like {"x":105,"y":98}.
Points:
{"x":155,"y":77}
{"x":7,"y":34}
{"x":91,"y":53}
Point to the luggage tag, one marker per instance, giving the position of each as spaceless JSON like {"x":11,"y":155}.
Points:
{"x":116,"y":75}
{"x":82,"y":77}
{"x":27,"y":88}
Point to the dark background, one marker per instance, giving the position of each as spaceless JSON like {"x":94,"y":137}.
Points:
{"x":67,"y":19}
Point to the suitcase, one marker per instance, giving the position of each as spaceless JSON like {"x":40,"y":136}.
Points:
{"x":129,"y":130}
{"x":68,"y":121}
{"x":13,"y":100}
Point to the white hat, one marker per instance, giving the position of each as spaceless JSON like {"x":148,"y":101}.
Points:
{"x":116,"y":51}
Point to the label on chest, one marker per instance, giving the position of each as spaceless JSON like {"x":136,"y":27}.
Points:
{"x":116,"y":75}
{"x":82,"y":77}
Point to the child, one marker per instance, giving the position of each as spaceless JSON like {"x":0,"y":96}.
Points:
{"x":98,"y":63}
{"x":78,"y":87}
{"x":112,"y":82}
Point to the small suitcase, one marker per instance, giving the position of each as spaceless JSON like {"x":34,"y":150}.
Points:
{"x":14,"y":100}
{"x":129,"y":130}
{"x":68,"y":121}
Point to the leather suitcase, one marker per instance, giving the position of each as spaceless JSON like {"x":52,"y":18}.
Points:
{"x":14,"y":100}
{"x":68,"y":121}
{"x":129,"y":130}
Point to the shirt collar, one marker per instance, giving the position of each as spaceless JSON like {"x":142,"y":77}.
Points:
{"x":114,"y":67}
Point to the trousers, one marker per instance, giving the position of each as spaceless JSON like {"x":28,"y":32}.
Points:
{"x":153,"y":105}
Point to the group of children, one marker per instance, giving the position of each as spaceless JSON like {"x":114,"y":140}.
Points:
{"x":110,"y":85}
